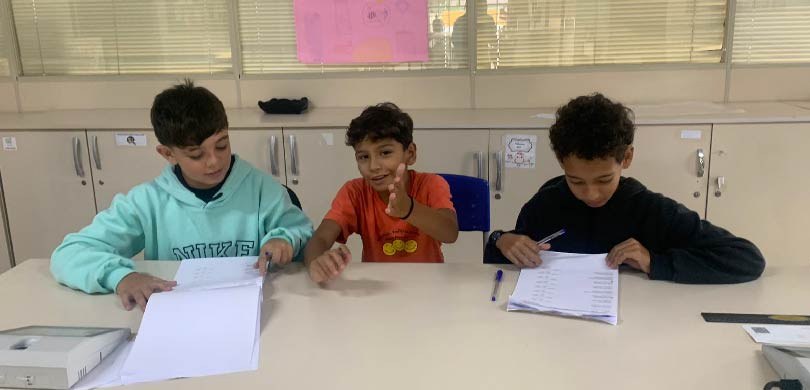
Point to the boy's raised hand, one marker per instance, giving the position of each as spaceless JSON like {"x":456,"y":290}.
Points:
{"x":136,"y":288}
{"x":278,"y":250}
{"x":521,"y":250}
{"x":399,"y":203}
{"x":330,"y":264}
{"x":632,"y":253}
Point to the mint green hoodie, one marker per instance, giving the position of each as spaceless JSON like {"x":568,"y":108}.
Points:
{"x":168,"y":222}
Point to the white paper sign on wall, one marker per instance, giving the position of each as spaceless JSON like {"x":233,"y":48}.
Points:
{"x":520,"y":151}
{"x":10,"y":143}
{"x":130,"y":139}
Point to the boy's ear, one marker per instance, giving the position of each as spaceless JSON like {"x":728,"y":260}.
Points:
{"x":410,"y":154}
{"x":166,"y":153}
{"x":628,"y":157}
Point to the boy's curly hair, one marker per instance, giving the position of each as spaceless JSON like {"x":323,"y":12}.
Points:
{"x":592,"y":127}
{"x":185,"y":115}
{"x":385,"y":120}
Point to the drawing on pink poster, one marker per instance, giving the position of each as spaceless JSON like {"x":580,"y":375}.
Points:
{"x":361,"y":31}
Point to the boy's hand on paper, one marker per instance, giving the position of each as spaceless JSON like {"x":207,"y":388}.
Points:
{"x":330,"y":264}
{"x":399,"y":203}
{"x":278,"y":249}
{"x":632,"y":253}
{"x":521,"y":250}
{"x":136,"y":288}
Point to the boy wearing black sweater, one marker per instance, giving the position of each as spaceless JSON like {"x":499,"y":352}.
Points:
{"x":603,"y":212}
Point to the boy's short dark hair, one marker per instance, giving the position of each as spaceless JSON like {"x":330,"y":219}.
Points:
{"x":185,"y":115}
{"x":592,"y":127}
{"x":385,"y":120}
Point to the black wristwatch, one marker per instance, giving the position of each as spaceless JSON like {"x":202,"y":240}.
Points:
{"x":495,"y":235}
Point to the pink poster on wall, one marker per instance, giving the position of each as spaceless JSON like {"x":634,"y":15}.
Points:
{"x":361,"y":31}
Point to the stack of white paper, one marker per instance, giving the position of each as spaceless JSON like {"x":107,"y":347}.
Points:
{"x":209,"y":324}
{"x":794,"y":336}
{"x":569,"y":284}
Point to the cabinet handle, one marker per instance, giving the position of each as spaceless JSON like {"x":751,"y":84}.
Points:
{"x":721,"y":182}
{"x":498,"y":156}
{"x":701,"y":163}
{"x":77,"y":161}
{"x":273,"y":155}
{"x":96,"y":155}
{"x":479,"y":164}
{"x":293,"y":156}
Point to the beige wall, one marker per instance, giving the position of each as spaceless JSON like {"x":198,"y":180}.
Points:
{"x":7,"y":99}
{"x":770,"y":83}
{"x":553,"y":88}
{"x":330,"y":91}
{"x":64,"y":94}
{"x":507,"y":90}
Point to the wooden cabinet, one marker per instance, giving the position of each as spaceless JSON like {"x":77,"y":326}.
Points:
{"x":118,"y":166}
{"x":461,"y":152}
{"x":47,"y":184}
{"x":5,"y":250}
{"x":760,"y":187}
{"x":510,"y":187}
{"x":748,"y":178}
{"x":262,"y":148}
{"x":673,"y":160}
{"x":317,"y":164}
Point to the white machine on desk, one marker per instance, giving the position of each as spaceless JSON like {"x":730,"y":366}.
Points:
{"x":54,"y":357}
{"x":789,"y":362}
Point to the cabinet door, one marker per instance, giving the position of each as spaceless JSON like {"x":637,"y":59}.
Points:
{"x":318,"y":163}
{"x":673,"y":160}
{"x":119,"y":165}
{"x":262,"y":148}
{"x":461,"y":152}
{"x":760,"y":187}
{"x":511,"y":188}
{"x":47,"y":188}
{"x":5,"y":255}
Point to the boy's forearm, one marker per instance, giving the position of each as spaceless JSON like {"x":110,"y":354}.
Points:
{"x":441,"y":224}
{"x":315,"y":247}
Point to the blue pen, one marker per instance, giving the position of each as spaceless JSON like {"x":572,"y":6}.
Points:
{"x":497,"y":286}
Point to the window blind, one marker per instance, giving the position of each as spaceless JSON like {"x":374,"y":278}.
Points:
{"x":533,"y":33}
{"x":77,"y":37}
{"x":771,"y":32}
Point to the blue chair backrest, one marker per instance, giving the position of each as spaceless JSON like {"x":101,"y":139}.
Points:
{"x":471,"y":201}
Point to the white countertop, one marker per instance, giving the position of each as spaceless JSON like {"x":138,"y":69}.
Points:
{"x":248,"y":118}
{"x":432,"y":326}
{"x":801,"y":104}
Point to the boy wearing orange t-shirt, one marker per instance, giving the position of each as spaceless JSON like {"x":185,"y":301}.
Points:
{"x":401,"y":215}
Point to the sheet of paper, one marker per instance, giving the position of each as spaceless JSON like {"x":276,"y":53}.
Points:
{"x":346,"y":31}
{"x":568,"y":284}
{"x":196,"y":333}
{"x":217,"y":273}
{"x":787,"y":335}
{"x":108,"y":373}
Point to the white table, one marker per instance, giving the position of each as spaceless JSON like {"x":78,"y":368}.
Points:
{"x":432,"y":326}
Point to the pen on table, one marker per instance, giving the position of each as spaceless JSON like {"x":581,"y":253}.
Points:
{"x":497,"y":285}
{"x":551,"y":237}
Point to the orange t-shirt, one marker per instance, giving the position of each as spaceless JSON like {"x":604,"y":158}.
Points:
{"x":357,"y":208}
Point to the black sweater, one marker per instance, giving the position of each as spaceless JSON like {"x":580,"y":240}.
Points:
{"x":683,"y":248}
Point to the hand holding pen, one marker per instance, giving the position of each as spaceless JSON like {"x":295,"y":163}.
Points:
{"x":276,"y":251}
{"x":522,"y":250}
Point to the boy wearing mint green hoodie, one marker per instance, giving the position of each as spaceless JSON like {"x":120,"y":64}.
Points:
{"x":207,"y":203}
